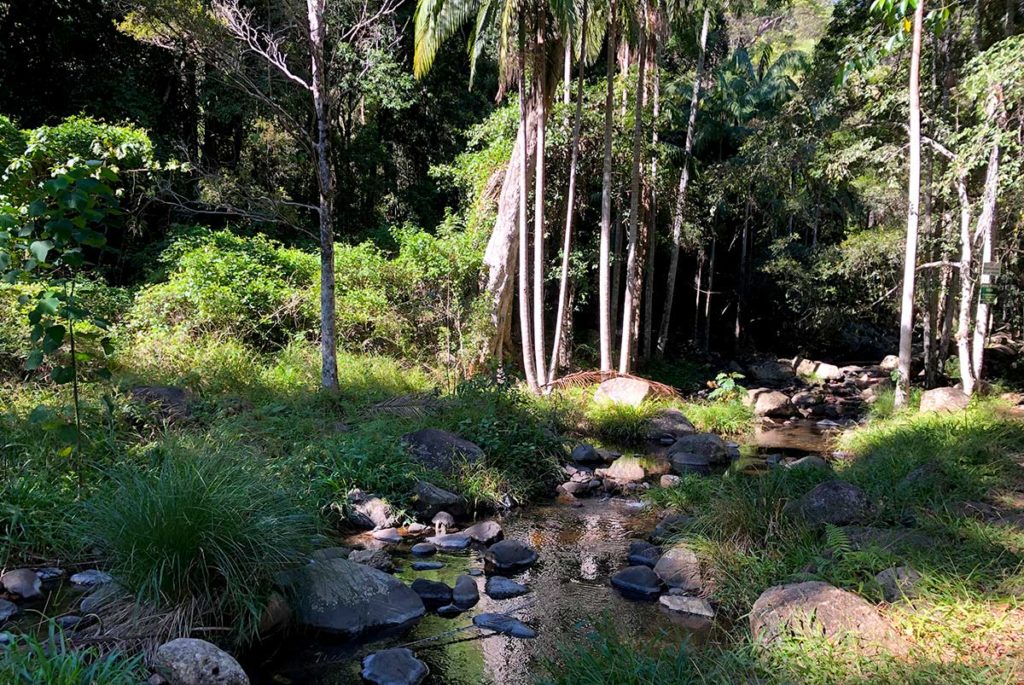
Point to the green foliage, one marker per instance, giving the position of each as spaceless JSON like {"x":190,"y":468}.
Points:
{"x":618,"y":423}
{"x":12,"y":142}
{"x":730,"y":417}
{"x":53,"y":661}
{"x":202,"y":536}
{"x":725,"y":387}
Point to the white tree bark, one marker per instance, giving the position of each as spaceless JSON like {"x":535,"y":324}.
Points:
{"x":604,"y":252}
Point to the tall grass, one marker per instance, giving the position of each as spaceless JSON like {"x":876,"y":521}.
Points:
{"x":726,"y":417}
{"x":52,"y":661}
{"x":200,"y":538}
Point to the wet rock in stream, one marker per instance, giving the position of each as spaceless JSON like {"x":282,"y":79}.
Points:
{"x":452,"y":542}
{"x":643,"y":553}
{"x":638,"y":582}
{"x":426,"y":565}
{"x":424,"y":549}
{"x":398,"y":666}
{"x":374,"y":558}
{"x":465,"y":594}
{"x":485,"y":532}
{"x":22,"y":582}
{"x":697,"y":606}
{"x":679,"y":568}
{"x":504,"y":624}
{"x":433,"y":593}
{"x":8,"y":610}
{"x":500,"y":587}
{"x":509,"y":556}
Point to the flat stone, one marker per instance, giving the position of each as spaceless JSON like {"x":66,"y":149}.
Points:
{"x":427,"y":565}
{"x":811,"y":461}
{"x":833,"y":502}
{"x":171,"y":404}
{"x":818,"y":608}
{"x":433,"y":593}
{"x":499,"y":587}
{"x":398,"y":666}
{"x":187,"y":661}
{"x":637,"y":582}
{"x":424,"y":549}
{"x":642,"y":553}
{"x":679,"y":567}
{"x":449,"y":610}
{"x":505,"y":625}
{"x":8,"y":610}
{"x":374,"y":558}
{"x":390,"y":535}
{"x":450,"y":543}
{"x":485,"y":532}
{"x":440,"y":450}
{"x":623,"y":390}
{"x":821,"y":371}
{"x":624,"y":470}
{"x":23,"y":583}
{"x":349,"y":599}
{"x":698,"y":606}
{"x":465,"y":594}
{"x":416,"y":528}
{"x":898,"y":582}
{"x":509,"y":556}
{"x":50,"y":577}
{"x":944,"y":400}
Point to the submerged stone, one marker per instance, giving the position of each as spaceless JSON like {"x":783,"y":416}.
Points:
{"x":466,"y":593}
{"x":638,"y":582}
{"x":504,"y":624}
{"x":187,"y":661}
{"x":433,"y":593}
{"x":499,"y":587}
{"x":509,"y":556}
{"x":398,"y":666}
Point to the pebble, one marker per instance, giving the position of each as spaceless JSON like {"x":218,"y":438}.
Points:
{"x":90,"y":578}
{"x":387,"y":535}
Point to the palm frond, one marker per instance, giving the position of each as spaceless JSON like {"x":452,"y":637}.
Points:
{"x":413,"y":405}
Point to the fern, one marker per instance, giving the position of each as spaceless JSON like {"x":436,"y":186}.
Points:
{"x":837,"y":541}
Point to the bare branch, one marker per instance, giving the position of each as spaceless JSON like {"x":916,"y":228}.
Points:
{"x":239,"y":23}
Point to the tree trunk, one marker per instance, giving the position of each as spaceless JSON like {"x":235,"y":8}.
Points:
{"x":963,"y":333}
{"x":707,"y":295}
{"x":604,"y":253}
{"x":617,"y":272}
{"x":648,"y":335}
{"x":325,"y":186}
{"x":741,"y":289}
{"x":986,"y":231}
{"x":524,"y":238}
{"x":634,"y":277}
{"x":567,"y":64}
{"x":698,"y":280}
{"x":562,"y":318}
{"x":540,"y":74}
{"x":913,"y":210}
{"x":684,"y":179}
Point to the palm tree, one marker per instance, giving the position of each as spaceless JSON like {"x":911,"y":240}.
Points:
{"x":604,"y":287}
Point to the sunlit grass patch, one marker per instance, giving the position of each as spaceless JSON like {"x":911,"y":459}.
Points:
{"x":725,"y":417}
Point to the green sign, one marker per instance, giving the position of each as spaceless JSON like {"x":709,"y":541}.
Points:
{"x":988,"y":294}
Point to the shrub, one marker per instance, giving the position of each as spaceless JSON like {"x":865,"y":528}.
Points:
{"x":620,"y":423}
{"x":727,"y":417}
{"x":12,"y":142}
{"x":54,"y":662}
{"x":200,"y":538}
{"x":87,"y":138}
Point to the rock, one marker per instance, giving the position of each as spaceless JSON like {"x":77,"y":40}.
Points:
{"x":623,"y":390}
{"x":424,"y":549}
{"x":889,"y":363}
{"x":770,"y":403}
{"x":427,"y":565}
{"x":624,"y":470}
{"x":390,"y":535}
{"x":369,"y":511}
{"x":698,"y":606}
{"x":277,"y":614}
{"x":449,"y":611}
{"x":638,"y":582}
{"x":500,"y":587}
{"x":944,"y":400}
{"x":8,"y":610}
{"x":398,"y":666}
{"x":429,"y":500}
{"x":898,"y":582}
{"x":170,"y":404}
{"x":818,"y":370}
{"x":349,"y":599}
{"x":686,"y":462}
{"x":509,"y":556}
{"x":433,"y":593}
{"x":669,"y":480}
{"x":806,"y":399}
{"x":772,"y":372}
{"x":586,"y":454}
{"x":452,"y":542}
{"x":23,"y":583}
{"x":465,"y":594}
{"x":442,"y":521}
{"x":580,"y":489}
{"x":187,"y":661}
{"x":51,"y":577}
{"x":642,"y":553}
{"x":821,"y":609}
{"x":485,"y":532}
{"x":331,"y":553}
{"x":706,"y":445}
{"x":668,"y":425}
{"x":811,"y":461}
{"x":416,"y":528}
{"x":670,"y":524}
{"x":374,"y":558}
{"x":6,"y":639}
{"x":440,"y":450}
{"x":679,"y":568}
{"x":836,"y":502}
{"x":99,"y":598}
{"x":504,"y":624}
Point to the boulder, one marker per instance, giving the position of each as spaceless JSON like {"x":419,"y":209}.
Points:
{"x":669,"y":524}
{"x":369,"y":511}
{"x":433,"y":593}
{"x":504,"y":624}
{"x":637,"y":582}
{"x":668,"y":425}
{"x":624,"y":470}
{"x":374,"y":558}
{"x":944,"y":400}
{"x":669,"y":480}
{"x":466,"y":594}
{"x":348,"y":599}
{"x":770,"y":403}
{"x":397,"y":666}
{"x":643,"y":553}
{"x":485,"y":532}
{"x":679,"y":568}
{"x":170,"y":404}
{"x":772,"y":372}
{"x":22,"y":582}
{"x":449,"y":611}
{"x":8,"y":610}
{"x":188,"y":661}
{"x":819,"y":608}
{"x":441,"y":450}
{"x":429,"y":500}
{"x":580,"y":489}
{"x":623,"y":390}
{"x":835,"y":502}
{"x":889,"y":363}
{"x":587,"y":454}
{"x":389,"y":535}
{"x":686,"y":462}
{"x":806,"y":368}
{"x":500,"y":587}
{"x":424,"y":549}
{"x":509,"y":556}
{"x":331,"y":553}
{"x":453,"y":542}
{"x":698,"y":606}
{"x":706,"y":445}
{"x":898,"y":582}
{"x":806,"y":399}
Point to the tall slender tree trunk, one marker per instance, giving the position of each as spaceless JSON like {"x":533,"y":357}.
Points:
{"x":617,"y":270}
{"x":540,"y":74}
{"x":968,"y":379}
{"x":698,"y":281}
{"x":684,"y":180}
{"x":986,"y":231}
{"x":634,"y":277}
{"x":325,"y":186}
{"x":707,"y":295}
{"x":648,"y":334}
{"x":741,"y":288}
{"x":524,"y":238}
{"x":913,"y":211}
{"x":563,"y":318}
{"x":604,"y":253}
{"x":567,"y":65}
